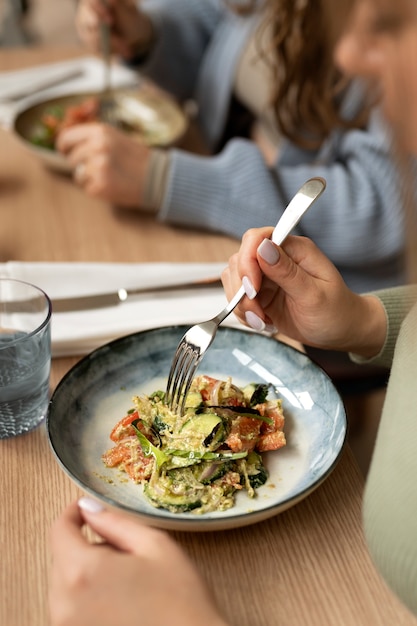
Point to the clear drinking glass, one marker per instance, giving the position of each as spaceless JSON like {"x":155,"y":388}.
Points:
{"x":25,"y":356}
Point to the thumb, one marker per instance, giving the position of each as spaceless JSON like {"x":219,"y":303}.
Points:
{"x":119,"y":530}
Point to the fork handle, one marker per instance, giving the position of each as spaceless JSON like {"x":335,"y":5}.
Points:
{"x":300,"y":203}
{"x":232,"y":305}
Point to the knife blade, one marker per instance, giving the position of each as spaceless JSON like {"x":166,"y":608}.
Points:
{"x":117,"y":297}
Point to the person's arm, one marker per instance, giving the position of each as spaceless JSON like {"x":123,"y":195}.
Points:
{"x":165,"y":39}
{"x":135,"y":575}
{"x":397,"y":303}
{"x":182,"y":30}
{"x":357,"y":222}
{"x":390,"y":499}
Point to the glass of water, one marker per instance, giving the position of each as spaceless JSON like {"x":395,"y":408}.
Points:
{"x":25,"y":356}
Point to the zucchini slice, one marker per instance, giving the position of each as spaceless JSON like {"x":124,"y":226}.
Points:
{"x":165,"y":499}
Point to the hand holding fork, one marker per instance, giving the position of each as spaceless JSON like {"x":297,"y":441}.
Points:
{"x":198,"y":338}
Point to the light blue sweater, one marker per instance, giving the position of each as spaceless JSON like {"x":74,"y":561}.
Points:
{"x":357,"y":222}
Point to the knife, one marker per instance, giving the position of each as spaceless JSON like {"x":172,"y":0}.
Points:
{"x":113,"y":298}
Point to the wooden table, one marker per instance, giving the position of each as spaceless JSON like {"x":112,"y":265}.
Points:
{"x":308,"y":565}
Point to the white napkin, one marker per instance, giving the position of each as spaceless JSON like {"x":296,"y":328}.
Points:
{"x":75,"y":76}
{"x":76,"y":333}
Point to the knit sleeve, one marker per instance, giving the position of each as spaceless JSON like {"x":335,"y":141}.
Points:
{"x":397,"y":303}
{"x":182,"y":32}
{"x":390,"y":499}
{"x":357,"y":222}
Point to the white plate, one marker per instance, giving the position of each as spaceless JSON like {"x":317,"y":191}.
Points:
{"x":161,"y":120}
{"x":96,"y":393}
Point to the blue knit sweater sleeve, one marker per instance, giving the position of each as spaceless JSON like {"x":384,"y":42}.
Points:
{"x":183,"y":30}
{"x":357,"y":222}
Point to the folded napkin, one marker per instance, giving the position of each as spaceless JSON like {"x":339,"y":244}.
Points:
{"x":22,"y":88}
{"x":79,"y":332}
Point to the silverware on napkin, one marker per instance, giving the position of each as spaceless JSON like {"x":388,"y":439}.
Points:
{"x":113,"y":298}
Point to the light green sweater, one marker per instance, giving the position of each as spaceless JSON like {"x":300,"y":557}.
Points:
{"x":390,"y":501}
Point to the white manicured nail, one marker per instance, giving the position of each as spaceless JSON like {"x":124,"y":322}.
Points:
{"x":254,"y":321}
{"x":90,"y":505}
{"x":268,"y":252}
{"x":249,"y":288}
{"x":271,"y":329}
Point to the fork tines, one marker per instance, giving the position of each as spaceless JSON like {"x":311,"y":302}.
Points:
{"x":184,"y":365}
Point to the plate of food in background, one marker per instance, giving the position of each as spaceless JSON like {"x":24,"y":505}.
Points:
{"x":146,"y":113}
{"x":111,"y":433}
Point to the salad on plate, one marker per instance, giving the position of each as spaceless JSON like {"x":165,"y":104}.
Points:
{"x":198,"y":461}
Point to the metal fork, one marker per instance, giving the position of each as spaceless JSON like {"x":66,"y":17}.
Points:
{"x":108,"y":105}
{"x":198,"y":338}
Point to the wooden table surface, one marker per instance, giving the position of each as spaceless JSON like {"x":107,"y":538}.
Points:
{"x":308,"y":565}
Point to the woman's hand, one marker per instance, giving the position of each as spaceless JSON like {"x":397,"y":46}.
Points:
{"x":131,"y":31}
{"x":138,"y":575}
{"x":297,"y":290}
{"x":107,"y":163}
